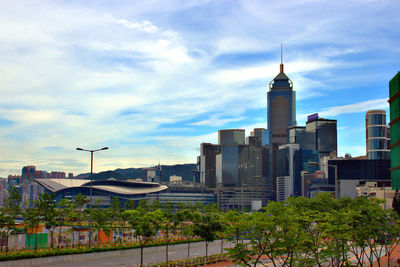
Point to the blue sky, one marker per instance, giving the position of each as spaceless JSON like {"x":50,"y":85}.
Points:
{"x":153,"y":79}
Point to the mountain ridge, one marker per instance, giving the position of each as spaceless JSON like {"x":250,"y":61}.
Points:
{"x":184,"y":170}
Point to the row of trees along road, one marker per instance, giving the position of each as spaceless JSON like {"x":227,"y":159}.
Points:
{"x":321,"y":231}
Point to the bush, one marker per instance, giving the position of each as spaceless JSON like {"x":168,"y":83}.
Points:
{"x":202,"y":260}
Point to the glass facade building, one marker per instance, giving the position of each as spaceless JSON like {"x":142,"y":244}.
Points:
{"x":366,"y":169}
{"x":323,"y":133}
{"x":207,"y":163}
{"x":231,"y":137}
{"x":281,"y":108}
{"x":377,"y":135}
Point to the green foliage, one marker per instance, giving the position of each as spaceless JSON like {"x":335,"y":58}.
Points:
{"x":9,"y":212}
{"x":321,"y":231}
{"x":207,"y":225}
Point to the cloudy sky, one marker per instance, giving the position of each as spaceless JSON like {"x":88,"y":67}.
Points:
{"x":153,"y":79}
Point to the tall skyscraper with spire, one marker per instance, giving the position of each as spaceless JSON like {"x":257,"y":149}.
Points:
{"x":281,"y":107}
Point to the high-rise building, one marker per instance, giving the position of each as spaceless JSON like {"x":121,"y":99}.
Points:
{"x":394,"y":94}
{"x":281,"y":108}
{"x":28,"y":173}
{"x":231,"y":137}
{"x":207,"y":168}
{"x":262,"y":134}
{"x":376,"y":135}
{"x":323,"y":134}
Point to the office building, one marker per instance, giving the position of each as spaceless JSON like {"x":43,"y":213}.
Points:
{"x":299,"y":135}
{"x":301,"y":159}
{"x":281,"y":108}
{"x":377,"y":138}
{"x":231,"y":162}
{"x":285,"y":174}
{"x":394,"y":101}
{"x":261,"y":133}
{"x":231,"y":137}
{"x":323,"y":133}
{"x":207,"y":167}
{"x":311,"y":185}
{"x":351,"y":172}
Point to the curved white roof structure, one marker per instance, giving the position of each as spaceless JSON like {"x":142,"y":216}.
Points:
{"x":121,"y":187}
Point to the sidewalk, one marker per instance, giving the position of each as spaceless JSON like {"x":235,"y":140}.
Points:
{"x":394,"y":259}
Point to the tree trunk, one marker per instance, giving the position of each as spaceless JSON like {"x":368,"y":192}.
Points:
{"x":141,"y":254}
{"x":36,"y":241}
{"x":7,"y":242}
{"x":2,"y":238}
{"x":79,"y":237}
{"x":52,"y":239}
{"x":222,"y":245}
{"x":59,"y":238}
{"x":188,"y":249}
{"x":166,"y":252}
{"x":206,"y":249}
{"x":73,"y":238}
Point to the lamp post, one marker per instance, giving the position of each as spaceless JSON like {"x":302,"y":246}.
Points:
{"x":91,"y":179}
{"x":336,"y":178}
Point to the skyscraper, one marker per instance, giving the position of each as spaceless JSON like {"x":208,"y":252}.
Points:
{"x":376,"y":134}
{"x":281,"y":107}
{"x":323,"y":133}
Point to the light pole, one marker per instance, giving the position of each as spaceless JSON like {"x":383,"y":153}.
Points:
{"x":91,"y":179}
{"x":336,"y":178}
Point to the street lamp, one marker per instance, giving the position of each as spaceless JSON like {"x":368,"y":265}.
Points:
{"x":328,"y":165}
{"x":91,"y":179}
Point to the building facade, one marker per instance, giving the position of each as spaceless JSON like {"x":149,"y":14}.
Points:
{"x":323,"y":133}
{"x":394,"y":101}
{"x":281,"y":108}
{"x":376,"y":132}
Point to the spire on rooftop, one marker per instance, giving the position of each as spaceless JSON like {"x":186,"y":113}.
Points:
{"x":281,"y":67}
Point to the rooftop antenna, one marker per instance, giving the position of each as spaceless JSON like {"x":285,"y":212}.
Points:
{"x":281,"y":69}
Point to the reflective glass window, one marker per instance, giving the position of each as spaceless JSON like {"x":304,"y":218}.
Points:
{"x":376,"y":131}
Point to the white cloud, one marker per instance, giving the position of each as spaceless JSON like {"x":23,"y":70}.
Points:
{"x":355,"y":108}
{"x":123,"y":75}
{"x":215,"y":120}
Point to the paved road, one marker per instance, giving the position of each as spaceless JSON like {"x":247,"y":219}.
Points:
{"x":151,"y":255}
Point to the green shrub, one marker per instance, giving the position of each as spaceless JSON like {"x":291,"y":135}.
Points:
{"x":27,"y":254}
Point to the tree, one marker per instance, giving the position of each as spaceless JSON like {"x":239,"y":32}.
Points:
{"x":63,"y":213}
{"x":115,"y":216}
{"x":185,"y":220}
{"x":167,"y":224}
{"x":130,"y":205}
{"x":78,"y":204}
{"x":145,"y":226}
{"x":47,"y":207}
{"x":206,"y":226}
{"x":396,"y":202}
{"x":99,"y":220}
{"x":32,"y":217}
{"x":10,"y":210}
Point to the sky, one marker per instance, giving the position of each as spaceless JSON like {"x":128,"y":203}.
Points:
{"x":153,"y":79}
